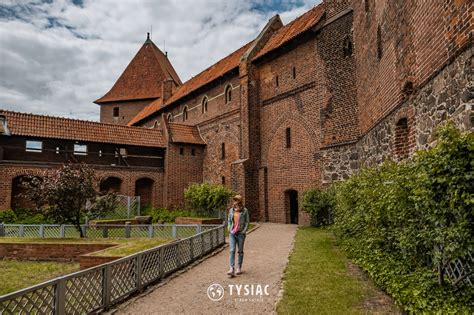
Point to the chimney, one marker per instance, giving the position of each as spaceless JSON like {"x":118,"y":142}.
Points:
{"x":166,"y":89}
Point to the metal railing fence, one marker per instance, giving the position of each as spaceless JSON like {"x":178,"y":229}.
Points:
{"x":99,"y":287}
{"x":111,"y":231}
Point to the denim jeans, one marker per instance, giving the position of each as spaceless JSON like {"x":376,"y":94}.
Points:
{"x":236,"y":241}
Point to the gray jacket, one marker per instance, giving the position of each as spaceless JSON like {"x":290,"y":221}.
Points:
{"x":243,"y":223}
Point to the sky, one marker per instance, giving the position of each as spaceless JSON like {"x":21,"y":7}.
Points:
{"x":58,"y":56}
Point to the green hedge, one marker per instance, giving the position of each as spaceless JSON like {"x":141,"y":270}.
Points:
{"x":23,"y":216}
{"x":162,"y":215}
{"x":404,"y":222}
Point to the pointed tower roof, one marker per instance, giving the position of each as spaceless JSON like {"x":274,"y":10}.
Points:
{"x":143,"y":77}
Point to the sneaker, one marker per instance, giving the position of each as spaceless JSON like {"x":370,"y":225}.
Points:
{"x":239,"y":270}
{"x":230,"y":272}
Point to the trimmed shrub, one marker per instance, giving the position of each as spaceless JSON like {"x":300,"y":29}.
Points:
{"x":403,"y":223}
{"x":319,"y":205}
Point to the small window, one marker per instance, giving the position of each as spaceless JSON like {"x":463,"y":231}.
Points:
{"x":34,"y":146}
{"x":288,"y":137}
{"x":123,"y":152}
{"x":100,"y":153}
{"x":57,"y":150}
{"x":170,"y":118}
{"x":276,"y":81}
{"x":156,"y":124}
{"x":185,"y":113}
{"x":228,"y":94}
{"x":193,"y":151}
{"x":116,"y":111}
{"x":80,"y":149}
{"x":294,"y":72}
{"x":223,"y":180}
{"x":366,"y":5}
{"x":181,"y":151}
{"x":223,"y":151}
{"x":204,"y":104}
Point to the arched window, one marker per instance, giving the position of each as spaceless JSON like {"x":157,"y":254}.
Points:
{"x":170,"y":118}
{"x":185,"y":113}
{"x":276,"y":80}
{"x":156,"y":124}
{"x":401,"y":144}
{"x":204,"y":104}
{"x":228,"y":94}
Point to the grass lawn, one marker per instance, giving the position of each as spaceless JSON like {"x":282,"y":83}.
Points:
{"x":319,"y":280}
{"x":16,"y":275}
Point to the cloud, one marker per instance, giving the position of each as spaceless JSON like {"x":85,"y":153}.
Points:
{"x":57,"y":56}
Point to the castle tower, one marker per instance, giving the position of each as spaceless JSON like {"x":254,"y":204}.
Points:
{"x":140,"y":84}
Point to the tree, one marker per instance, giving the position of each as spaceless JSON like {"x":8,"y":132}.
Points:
{"x":62,"y":194}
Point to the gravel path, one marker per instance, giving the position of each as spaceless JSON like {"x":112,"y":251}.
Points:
{"x":266,"y":255}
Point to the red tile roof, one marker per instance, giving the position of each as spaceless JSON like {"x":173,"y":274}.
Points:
{"x":185,"y":134}
{"x":292,"y":29}
{"x":147,"y":111}
{"x":143,"y":77}
{"x":281,"y":36}
{"x":210,"y":74}
{"x":23,"y":124}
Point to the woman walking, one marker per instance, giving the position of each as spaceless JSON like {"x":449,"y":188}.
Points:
{"x":238,"y":223}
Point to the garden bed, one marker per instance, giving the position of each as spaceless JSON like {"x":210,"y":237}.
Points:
{"x":194,"y":220}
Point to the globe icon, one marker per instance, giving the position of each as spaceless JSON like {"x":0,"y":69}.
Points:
{"x":215,"y":292}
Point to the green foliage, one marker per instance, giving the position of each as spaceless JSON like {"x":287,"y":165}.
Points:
{"x":319,"y":204}
{"x":23,"y":216}
{"x":404,"y":222}
{"x":61,"y":195}
{"x":207,"y":198}
{"x":104,"y":206}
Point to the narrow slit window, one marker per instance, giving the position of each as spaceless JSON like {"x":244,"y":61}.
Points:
{"x":223,"y":180}
{"x":204,"y":105}
{"x":193,"y":151}
{"x":288,"y":137}
{"x":294,"y":72}
{"x":276,"y":81}
{"x":185,"y":113}
{"x":228,"y":94}
{"x":223,"y":151}
{"x":181,"y":151}
{"x":116,"y":112}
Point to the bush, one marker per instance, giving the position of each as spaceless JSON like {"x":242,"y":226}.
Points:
{"x":403,"y":223}
{"x":319,"y":205}
{"x":7,"y":216}
{"x":23,"y":216}
{"x":207,"y":198}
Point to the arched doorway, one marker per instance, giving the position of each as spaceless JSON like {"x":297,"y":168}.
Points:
{"x":144,"y":189}
{"x":110,"y":184}
{"x":18,"y":199}
{"x":291,"y":204}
